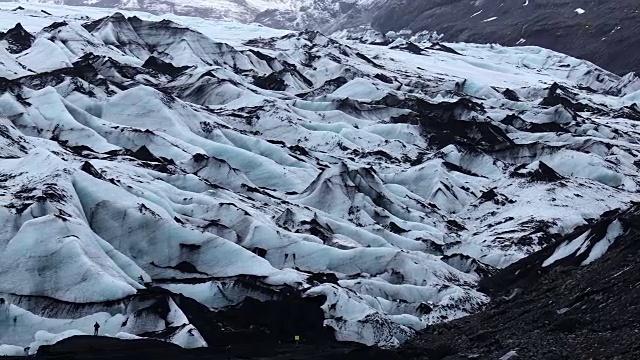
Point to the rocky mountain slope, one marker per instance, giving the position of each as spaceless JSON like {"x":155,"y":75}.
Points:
{"x":156,"y":170}
{"x":601,"y":31}
{"x":556,"y":304}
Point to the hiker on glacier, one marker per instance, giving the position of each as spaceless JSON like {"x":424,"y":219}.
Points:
{"x":96,"y":327}
{"x":4,"y":309}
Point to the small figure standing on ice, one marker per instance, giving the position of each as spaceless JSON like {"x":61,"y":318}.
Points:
{"x":96,"y":327}
{"x":4,"y":309}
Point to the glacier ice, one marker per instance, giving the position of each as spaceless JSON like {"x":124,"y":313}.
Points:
{"x":208,"y":159}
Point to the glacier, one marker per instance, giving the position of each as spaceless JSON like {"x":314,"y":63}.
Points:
{"x":144,"y":158}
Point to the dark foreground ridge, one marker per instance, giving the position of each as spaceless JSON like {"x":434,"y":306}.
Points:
{"x":250,"y":330}
{"x":91,"y":347}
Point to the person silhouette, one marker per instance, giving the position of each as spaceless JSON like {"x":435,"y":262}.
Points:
{"x":96,"y":327}
{"x":4,"y":309}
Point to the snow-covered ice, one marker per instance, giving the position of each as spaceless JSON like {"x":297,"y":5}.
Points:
{"x":187,"y":154}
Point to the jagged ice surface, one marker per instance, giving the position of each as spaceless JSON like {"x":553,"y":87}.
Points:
{"x":135,"y":150}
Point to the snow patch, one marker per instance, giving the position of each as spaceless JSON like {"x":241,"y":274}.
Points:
{"x":567,"y":248}
{"x":600,"y":248}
